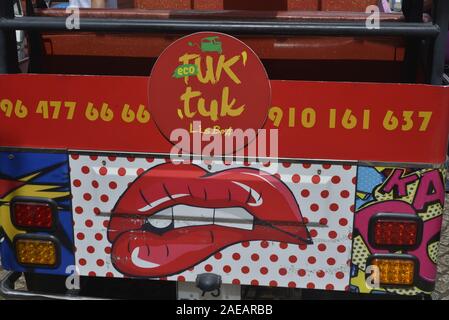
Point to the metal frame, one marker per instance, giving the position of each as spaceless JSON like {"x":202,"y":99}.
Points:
{"x":412,"y":29}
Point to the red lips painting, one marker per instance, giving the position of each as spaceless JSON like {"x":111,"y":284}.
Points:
{"x":174,"y":216}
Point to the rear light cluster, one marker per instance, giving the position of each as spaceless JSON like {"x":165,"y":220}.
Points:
{"x":395,"y":231}
{"x":396,"y":270}
{"x":35,"y":215}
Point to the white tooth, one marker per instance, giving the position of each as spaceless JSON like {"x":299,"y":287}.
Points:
{"x":162,"y":219}
{"x":186,"y":216}
{"x":233,"y":218}
{"x":140,"y":262}
{"x":253,"y":193}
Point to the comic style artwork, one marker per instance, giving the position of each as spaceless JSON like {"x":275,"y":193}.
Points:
{"x":416,"y":192}
{"x":40,"y":175}
{"x":221,"y":209}
{"x":253,"y":223}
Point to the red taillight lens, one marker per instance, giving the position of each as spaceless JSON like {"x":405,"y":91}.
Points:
{"x":389,"y":232}
{"x":32,"y":215}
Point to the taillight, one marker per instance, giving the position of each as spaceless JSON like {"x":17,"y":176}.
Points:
{"x":33,"y":213}
{"x":395,"y":270}
{"x":33,"y":250}
{"x":395,"y":231}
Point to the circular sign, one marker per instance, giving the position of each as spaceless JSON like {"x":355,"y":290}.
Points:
{"x":208,"y":84}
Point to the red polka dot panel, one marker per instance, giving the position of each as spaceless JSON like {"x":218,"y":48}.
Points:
{"x":324,"y":194}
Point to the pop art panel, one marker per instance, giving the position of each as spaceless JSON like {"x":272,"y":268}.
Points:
{"x":255,"y":223}
{"x":41,"y":175}
{"x":417,"y":192}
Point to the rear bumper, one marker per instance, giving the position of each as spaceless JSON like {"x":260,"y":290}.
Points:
{"x":8,"y":291}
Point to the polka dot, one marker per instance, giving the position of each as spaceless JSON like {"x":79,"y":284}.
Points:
{"x":75,"y":156}
{"x":121,"y":172}
{"x":103,"y":171}
{"x":323,"y":221}
{"x":316,"y":179}
{"x":314,"y":207}
{"x":302,"y":247}
{"x":140,"y":171}
{"x":344,"y":194}
{"x":95,"y":184}
{"x":97,"y":211}
{"x":324,"y":194}
{"x":311,"y":260}
{"x":245,"y":244}
{"x":89,"y":223}
{"x":227,"y":269}
{"x":343,"y":222}
{"x":331,"y":261}
{"x":109,"y":275}
{"x":106,"y":223}
{"x":274,"y":258}
{"x":320,"y":274}
{"x":283,"y":245}
{"x":112,"y":158}
{"x":286,"y":164}
{"x":329,"y":286}
{"x":90,"y":249}
{"x":149,"y":160}
{"x":85,"y":169}
{"x":347,"y":167}
{"x":218,"y":256}
{"x":245,"y":270}
{"x":305,"y":193}
{"x":333,"y":207}
{"x":91,"y":274}
{"x":332,"y":234}
{"x":181,"y":278}
{"x":264,"y":244}
{"x":80,"y":236}
{"x":107,"y":250}
{"x":354,"y":180}
{"x":322,"y":247}
{"x":100,"y":262}
{"x":336,"y":179}
{"x":327,"y":166}
{"x":340,"y":275}
{"x":87,"y":196}
{"x":93,"y":158}
{"x":254,"y":282}
{"x":310,"y":285}
{"x":263,"y":270}
{"x":98,"y":236}
{"x":78,"y":210}
{"x":293,"y":259}
{"x":255,"y":257}
{"x":130,"y":159}
{"x":236,"y":281}
{"x":341,"y":248}
{"x":351,"y":208}
{"x":112,"y":185}
{"x":273,"y":283}
{"x":313,"y":233}
{"x":306,"y":165}
{"x":296,"y":178}
{"x":282,"y":271}
{"x":76,"y":183}
{"x":292,"y":284}
{"x":301,"y":272}
{"x":104,"y":198}
{"x":208,"y":268}
{"x":82,"y":262}
{"x":236,"y":256}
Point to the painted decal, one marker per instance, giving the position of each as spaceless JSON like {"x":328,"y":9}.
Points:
{"x":285,"y":225}
{"x":414,"y":192}
{"x":39,"y":175}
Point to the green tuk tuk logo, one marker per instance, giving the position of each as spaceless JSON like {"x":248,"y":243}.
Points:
{"x":208,"y":44}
